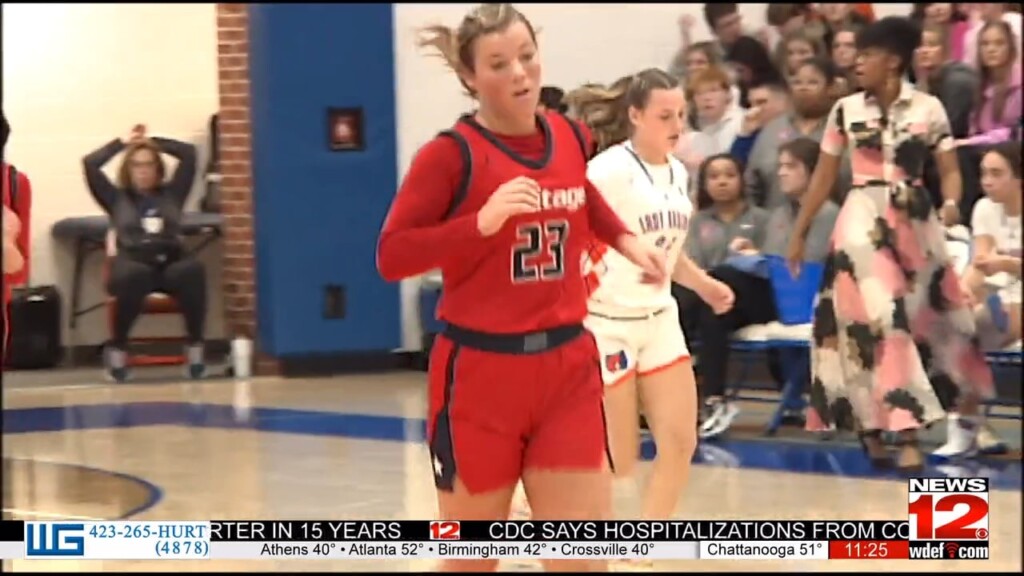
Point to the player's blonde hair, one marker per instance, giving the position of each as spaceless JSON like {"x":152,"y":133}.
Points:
{"x":455,"y":45}
{"x":605,"y":110}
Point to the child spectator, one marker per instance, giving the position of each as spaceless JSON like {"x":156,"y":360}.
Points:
{"x":717,"y":119}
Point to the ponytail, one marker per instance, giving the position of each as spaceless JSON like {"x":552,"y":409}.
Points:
{"x":445,"y":41}
{"x":604,"y":111}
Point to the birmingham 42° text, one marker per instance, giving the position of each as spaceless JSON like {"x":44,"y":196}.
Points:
{"x":455,"y":550}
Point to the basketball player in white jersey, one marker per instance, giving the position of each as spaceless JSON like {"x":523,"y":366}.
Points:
{"x":642,"y":346}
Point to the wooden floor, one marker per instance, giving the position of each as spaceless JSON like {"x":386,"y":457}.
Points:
{"x":353,"y":448}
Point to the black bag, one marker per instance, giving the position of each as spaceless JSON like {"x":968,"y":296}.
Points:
{"x":35,"y":328}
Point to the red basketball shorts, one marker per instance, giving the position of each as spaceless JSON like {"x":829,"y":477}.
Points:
{"x":500,"y":404}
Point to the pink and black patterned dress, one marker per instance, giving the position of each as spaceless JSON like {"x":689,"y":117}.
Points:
{"x":894,"y":341}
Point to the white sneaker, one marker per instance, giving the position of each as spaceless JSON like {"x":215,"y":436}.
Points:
{"x":722,"y":415}
{"x":961,"y":438}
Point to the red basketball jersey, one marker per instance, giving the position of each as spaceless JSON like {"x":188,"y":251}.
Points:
{"x":527,"y":276}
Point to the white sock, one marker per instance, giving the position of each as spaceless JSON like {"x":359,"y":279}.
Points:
{"x":627,"y":503}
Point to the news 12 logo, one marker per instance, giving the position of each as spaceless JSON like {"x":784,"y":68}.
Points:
{"x":54,"y":539}
{"x":445,"y":530}
{"x":948,"y":509}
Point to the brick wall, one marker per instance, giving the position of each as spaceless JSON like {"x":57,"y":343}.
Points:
{"x":239,"y":268}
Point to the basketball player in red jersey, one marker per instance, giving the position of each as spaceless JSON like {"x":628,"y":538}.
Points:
{"x":15,"y":232}
{"x":14,"y":261}
{"x":502,"y":206}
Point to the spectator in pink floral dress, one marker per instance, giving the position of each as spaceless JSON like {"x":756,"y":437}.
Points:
{"x":894,"y":343}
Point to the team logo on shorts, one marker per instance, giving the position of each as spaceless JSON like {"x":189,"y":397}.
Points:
{"x":616,"y":362}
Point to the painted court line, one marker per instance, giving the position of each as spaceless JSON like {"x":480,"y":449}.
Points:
{"x":57,"y":516}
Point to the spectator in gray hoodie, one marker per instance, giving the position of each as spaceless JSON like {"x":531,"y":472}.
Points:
{"x":813,"y":91}
{"x":955,"y":84}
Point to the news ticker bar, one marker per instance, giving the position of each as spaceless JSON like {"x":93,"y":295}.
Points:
{"x":714,"y":550}
{"x":346,"y":540}
{"x":484,"y":531}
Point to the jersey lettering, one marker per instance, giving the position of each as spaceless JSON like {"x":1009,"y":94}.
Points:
{"x":662,"y":220}
{"x":539,"y":253}
{"x":572,"y":199}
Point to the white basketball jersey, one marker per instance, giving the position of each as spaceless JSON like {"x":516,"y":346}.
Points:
{"x":653,"y":202}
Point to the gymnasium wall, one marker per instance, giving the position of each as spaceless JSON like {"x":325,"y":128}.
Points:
{"x":317,"y":212}
{"x":76,"y":76}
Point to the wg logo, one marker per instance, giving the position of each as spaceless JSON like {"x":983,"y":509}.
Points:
{"x":54,"y":539}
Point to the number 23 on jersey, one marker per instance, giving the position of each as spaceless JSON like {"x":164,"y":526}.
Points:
{"x":539,"y":252}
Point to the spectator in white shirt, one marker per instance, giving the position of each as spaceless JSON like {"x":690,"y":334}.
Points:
{"x":996,"y":261}
{"x":995,"y":270}
{"x":717,"y":119}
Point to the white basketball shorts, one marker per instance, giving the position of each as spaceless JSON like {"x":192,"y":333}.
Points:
{"x":633,"y":345}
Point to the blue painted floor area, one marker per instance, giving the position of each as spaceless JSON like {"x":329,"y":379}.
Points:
{"x":828,"y":458}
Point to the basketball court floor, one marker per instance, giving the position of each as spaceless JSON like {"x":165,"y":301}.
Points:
{"x":352,"y":448}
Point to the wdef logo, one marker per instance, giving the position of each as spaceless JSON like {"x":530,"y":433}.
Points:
{"x":54,"y":539}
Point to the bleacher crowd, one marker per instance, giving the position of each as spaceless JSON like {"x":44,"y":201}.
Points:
{"x":760,"y":104}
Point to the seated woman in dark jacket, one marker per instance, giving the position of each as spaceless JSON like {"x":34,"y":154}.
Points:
{"x":145,"y":215}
